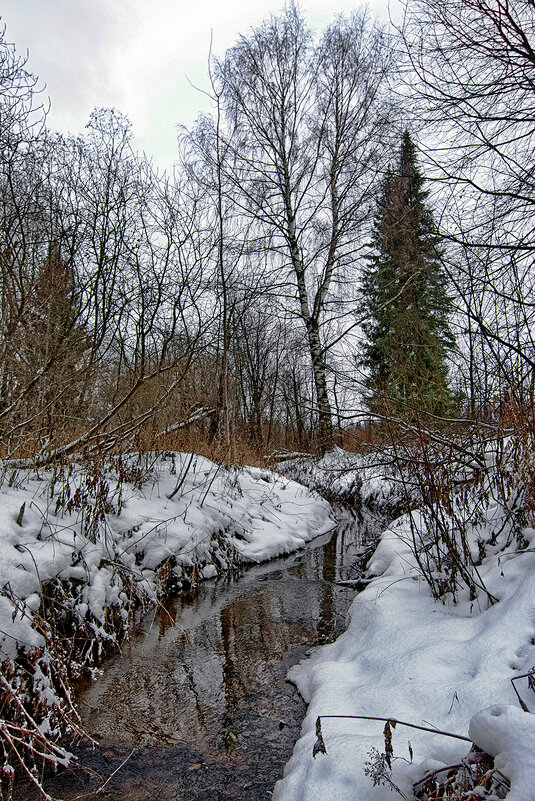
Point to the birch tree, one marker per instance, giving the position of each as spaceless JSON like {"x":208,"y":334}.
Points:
{"x":307,"y":120}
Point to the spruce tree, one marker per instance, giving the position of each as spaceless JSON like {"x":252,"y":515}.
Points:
{"x":404,"y":292}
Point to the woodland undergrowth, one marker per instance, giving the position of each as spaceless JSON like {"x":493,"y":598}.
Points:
{"x":468,"y":494}
{"x":38,"y":682}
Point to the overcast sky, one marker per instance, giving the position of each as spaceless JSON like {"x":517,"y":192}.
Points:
{"x":138,"y":55}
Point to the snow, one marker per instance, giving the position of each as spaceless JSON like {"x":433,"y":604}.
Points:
{"x":444,"y":665}
{"x":349,"y":477}
{"x":130,"y":529}
{"x":407,"y":656}
{"x":508,"y":734}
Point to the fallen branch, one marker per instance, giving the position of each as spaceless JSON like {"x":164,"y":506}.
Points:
{"x":285,"y":456}
{"x":96,"y":431}
{"x":110,"y":777}
{"x":200,"y":414}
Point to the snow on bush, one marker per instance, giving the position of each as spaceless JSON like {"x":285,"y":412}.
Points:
{"x":446,"y":622}
{"x":351,"y":478}
{"x":83,"y":545}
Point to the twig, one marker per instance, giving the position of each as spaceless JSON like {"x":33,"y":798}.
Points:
{"x":23,"y":765}
{"x":399,"y":723}
{"x":110,"y":777}
{"x":182,"y":478}
{"x":436,"y":772}
{"x":513,"y":679}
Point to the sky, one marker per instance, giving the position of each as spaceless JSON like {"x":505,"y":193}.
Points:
{"x":143,"y":58}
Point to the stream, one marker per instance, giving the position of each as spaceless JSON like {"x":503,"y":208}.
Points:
{"x":196,"y":706}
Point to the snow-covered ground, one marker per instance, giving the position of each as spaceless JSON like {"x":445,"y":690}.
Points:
{"x":440,"y":665}
{"x":80,"y":547}
{"x":106,"y":540}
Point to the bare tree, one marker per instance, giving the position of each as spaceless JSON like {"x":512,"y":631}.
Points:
{"x":101,"y":277}
{"x":304,"y":127}
{"x":471,"y":64}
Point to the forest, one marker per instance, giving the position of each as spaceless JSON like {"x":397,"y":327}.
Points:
{"x":233,"y":297}
{"x":339,"y":266}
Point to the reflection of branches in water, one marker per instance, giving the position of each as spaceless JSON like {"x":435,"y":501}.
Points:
{"x":228,"y":655}
{"x":190,"y":678}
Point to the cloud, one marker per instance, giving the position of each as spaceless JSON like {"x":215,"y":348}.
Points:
{"x":74,"y":48}
{"x":136,"y":55}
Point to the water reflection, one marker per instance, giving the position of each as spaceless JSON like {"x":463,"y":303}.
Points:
{"x":209,"y":674}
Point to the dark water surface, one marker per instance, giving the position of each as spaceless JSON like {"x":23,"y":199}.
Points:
{"x":197,"y":703}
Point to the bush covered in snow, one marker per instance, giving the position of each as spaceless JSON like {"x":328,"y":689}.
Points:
{"x":350,"y":478}
{"x":445,"y":622}
{"x":84,"y":545}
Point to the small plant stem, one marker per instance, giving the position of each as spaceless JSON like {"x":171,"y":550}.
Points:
{"x":436,"y":772}
{"x":110,"y":777}
{"x":515,"y":678}
{"x":399,"y":723}
{"x":21,"y":514}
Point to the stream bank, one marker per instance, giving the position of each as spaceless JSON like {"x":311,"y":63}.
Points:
{"x":197,"y":702}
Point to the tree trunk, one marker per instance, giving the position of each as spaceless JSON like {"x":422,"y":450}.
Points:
{"x":325,"y":426}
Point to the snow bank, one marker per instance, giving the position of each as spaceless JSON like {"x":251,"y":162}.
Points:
{"x":99,"y":542}
{"x":409,"y":657}
{"x":248,"y":513}
{"x":508,"y":734}
{"x":351,"y":478}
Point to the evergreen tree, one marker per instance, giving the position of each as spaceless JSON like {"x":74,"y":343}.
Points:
{"x":404,"y":293}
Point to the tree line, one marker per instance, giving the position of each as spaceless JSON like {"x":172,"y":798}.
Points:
{"x":345,"y":238}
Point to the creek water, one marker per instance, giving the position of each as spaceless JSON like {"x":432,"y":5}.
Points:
{"x":196,"y":706}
